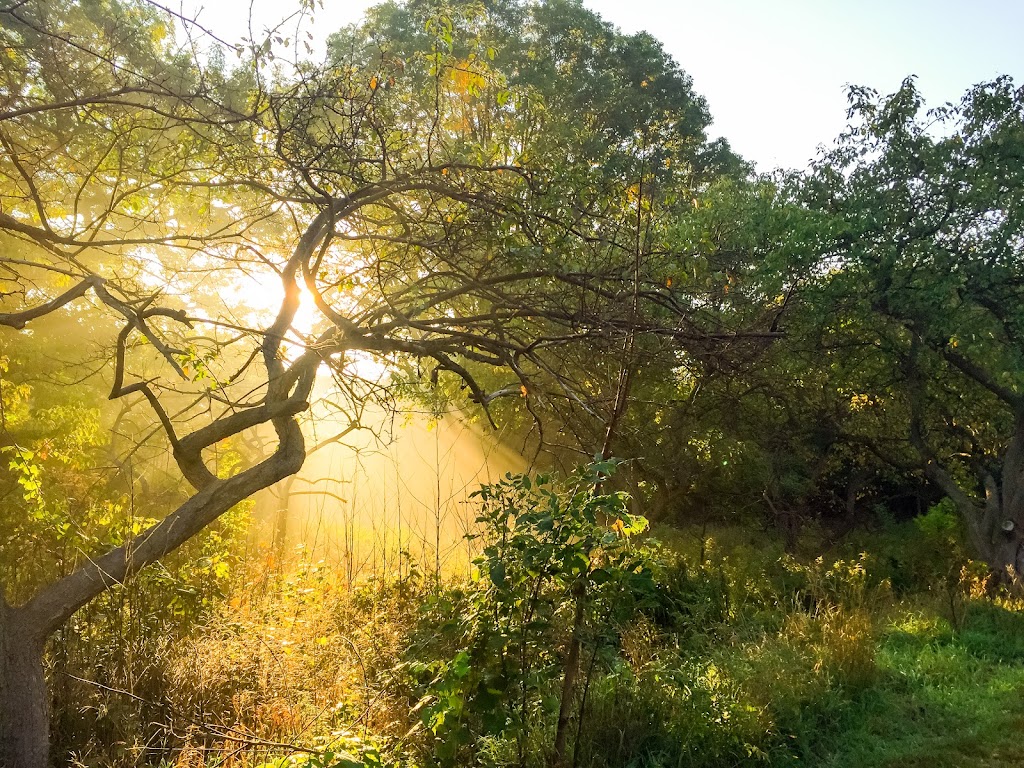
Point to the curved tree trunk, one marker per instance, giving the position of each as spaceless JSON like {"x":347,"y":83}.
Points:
{"x":24,"y":710}
{"x":24,"y":704}
{"x":995,"y":524}
{"x":995,"y":528}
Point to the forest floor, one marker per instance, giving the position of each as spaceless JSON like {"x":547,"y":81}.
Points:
{"x":943,"y":697}
{"x":884,"y":654}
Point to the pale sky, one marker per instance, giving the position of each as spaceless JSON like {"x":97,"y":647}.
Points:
{"x":774,"y":72}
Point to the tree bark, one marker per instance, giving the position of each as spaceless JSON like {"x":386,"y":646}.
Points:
{"x":24,"y":705}
{"x":572,"y":670}
{"x":279,"y":543}
{"x":996,"y":524}
{"x":24,"y":711}
{"x":999,"y":527}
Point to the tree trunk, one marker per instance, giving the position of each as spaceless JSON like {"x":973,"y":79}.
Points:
{"x":997,"y":530}
{"x":24,"y":702}
{"x":1008,"y":531}
{"x":572,"y":671}
{"x":24,"y":715}
{"x":279,"y":545}
{"x":995,"y":527}
{"x":996,"y":524}
{"x":24,"y":706}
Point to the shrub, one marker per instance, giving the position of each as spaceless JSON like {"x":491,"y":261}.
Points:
{"x":555,"y":563}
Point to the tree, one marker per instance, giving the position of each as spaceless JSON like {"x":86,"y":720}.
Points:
{"x":916,"y":273}
{"x":140,"y":183}
{"x":101,"y":131}
{"x":622,"y":135}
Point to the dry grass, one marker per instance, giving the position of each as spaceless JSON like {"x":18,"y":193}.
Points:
{"x":300,"y":659}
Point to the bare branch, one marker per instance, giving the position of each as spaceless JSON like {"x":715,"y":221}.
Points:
{"x":19,"y":320}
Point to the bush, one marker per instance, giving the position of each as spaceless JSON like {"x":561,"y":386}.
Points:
{"x":670,"y":714}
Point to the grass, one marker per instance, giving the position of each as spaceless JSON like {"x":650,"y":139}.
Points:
{"x":748,"y":659}
{"x":943,"y":699}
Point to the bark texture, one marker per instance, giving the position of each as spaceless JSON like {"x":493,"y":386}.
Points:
{"x":572,"y":671}
{"x":24,"y":710}
{"x":24,"y":715}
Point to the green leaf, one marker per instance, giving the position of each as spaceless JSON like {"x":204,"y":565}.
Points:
{"x":496,"y":572}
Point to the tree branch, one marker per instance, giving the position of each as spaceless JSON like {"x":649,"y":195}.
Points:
{"x":19,"y":320}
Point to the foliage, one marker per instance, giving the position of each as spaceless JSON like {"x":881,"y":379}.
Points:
{"x":914,"y":273}
{"x":514,"y":205}
{"x":545,"y":545}
{"x":427,"y":189}
{"x":820,"y":666}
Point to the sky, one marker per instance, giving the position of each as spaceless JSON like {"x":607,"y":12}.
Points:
{"x":775,"y":72}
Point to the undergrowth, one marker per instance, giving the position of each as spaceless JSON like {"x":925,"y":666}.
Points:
{"x":700,"y":651}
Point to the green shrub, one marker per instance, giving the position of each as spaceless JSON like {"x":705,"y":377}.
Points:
{"x":672,"y":713}
{"x":556,"y":562}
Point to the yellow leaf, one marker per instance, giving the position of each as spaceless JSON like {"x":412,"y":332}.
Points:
{"x":373,"y":83}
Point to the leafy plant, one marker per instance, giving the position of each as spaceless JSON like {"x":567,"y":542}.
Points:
{"x":545,"y":543}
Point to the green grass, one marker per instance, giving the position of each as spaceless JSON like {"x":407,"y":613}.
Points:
{"x":943,"y":699}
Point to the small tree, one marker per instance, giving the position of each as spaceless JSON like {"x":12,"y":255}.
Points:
{"x":544,"y":541}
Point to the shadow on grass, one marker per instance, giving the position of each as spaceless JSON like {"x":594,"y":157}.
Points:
{"x":944,"y":700}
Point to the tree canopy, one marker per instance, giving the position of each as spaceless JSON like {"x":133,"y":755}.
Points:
{"x":917,"y":261}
